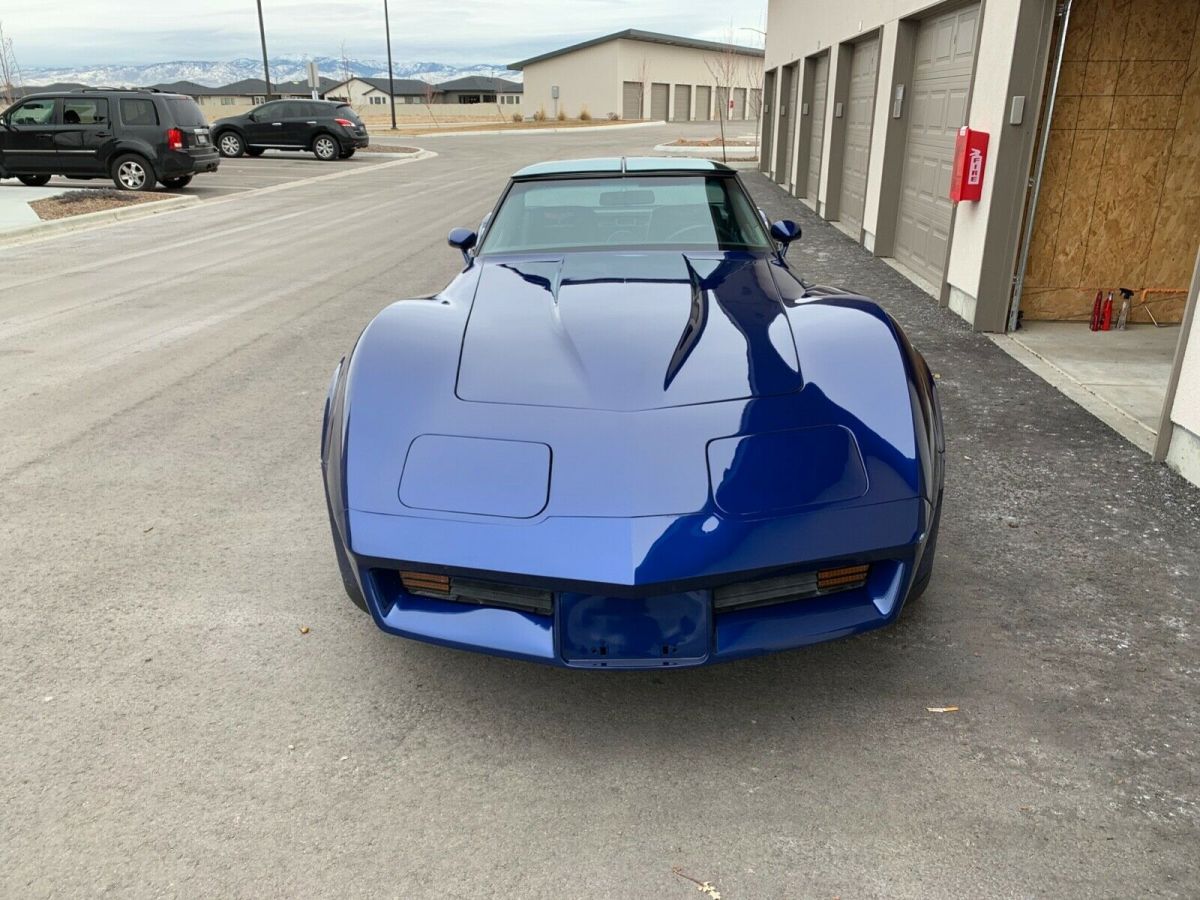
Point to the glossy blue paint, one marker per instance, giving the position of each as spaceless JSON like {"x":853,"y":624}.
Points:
{"x":699,"y":418}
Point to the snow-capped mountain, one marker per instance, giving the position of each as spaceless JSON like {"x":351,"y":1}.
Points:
{"x":283,"y":68}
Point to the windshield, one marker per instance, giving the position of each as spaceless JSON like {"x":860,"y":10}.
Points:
{"x":695,"y":212}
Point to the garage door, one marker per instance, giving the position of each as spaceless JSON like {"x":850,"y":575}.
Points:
{"x":739,"y":104}
{"x":683,"y":102}
{"x":936,"y":108}
{"x":789,"y":85}
{"x":703,"y":102}
{"x":631,"y":100}
{"x":817,"y":135}
{"x":860,"y":111}
{"x":660,"y":95}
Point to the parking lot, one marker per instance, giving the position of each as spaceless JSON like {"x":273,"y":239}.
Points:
{"x":191,"y":706}
{"x":236,"y":176}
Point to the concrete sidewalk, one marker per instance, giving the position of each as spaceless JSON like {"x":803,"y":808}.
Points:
{"x":15,"y":211}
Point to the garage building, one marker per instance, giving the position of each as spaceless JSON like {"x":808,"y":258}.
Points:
{"x":1091,"y":181}
{"x":644,"y":75}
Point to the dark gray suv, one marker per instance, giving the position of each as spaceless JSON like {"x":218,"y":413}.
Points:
{"x":135,"y":137}
{"x":328,"y":129}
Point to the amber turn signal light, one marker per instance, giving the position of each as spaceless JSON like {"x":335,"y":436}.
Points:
{"x":841,"y":577}
{"x":422,"y":583}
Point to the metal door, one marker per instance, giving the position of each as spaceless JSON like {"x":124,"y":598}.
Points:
{"x":937,"y":106}
{"x":860,"y":113}
{"x":27,"y":143}
{"x":768,"y":121}
{"x":703,"y":103}
{"x":788,"y":86}
{"x":816,"y":138}
{"x":683,"y":103}
{"x":660,"y":97}
{"x":631,"y":100}
{"x":739,"y":104}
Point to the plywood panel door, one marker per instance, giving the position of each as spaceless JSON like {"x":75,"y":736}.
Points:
{"x":816,"y":137}
{"x":860,"y":112}
{"x":937,"y":107}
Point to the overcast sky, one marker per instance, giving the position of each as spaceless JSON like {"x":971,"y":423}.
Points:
{"x":85,"y":32}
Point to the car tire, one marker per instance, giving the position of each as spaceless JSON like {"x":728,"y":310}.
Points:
{"x":174,"y":184}
{"x":254,"y":151}
{"x":33,"y":180}
{"x":230,"y":144}
{"x":925,"y":569}
{"x":325,"y":148}
{"x":348,"y":153}
{"x":132,"y":172}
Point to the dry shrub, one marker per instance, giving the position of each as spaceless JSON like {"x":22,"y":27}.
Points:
{"x":584,"y":115}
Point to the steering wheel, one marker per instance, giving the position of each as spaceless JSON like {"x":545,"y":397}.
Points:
{"x":704,"y":231}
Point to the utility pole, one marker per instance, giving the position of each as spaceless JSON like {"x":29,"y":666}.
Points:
{"x":262,"y":33}
{"x":387,"y":29}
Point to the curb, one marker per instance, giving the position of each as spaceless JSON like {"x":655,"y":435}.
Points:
{"x":735,"y":154}
{"x":100,"y":217}
{"x":580,"y":128}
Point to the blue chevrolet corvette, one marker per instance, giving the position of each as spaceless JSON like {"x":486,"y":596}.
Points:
{"x":628,"y":435}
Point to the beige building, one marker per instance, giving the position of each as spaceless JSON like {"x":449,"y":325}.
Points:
{"x":643,"y":75}
{"x":1091,"y":183}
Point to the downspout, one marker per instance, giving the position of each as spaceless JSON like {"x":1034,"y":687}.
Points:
{"x":1036,"y":185}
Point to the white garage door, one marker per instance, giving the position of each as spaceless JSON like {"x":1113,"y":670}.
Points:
{"x":817,"y":136}
{"x":703,"y":102}
{"x":631,"y":100}
{"x":860,"y":111}
{"x":660,"y":95}
{"x":936,"y":108}
{"x":683,"y":102}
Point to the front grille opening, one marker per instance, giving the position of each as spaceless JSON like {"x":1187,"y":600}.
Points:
{"x":786,"y":588}
{"x":479,"y":593}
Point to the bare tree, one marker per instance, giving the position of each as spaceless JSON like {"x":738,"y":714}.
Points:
{"x":10,"y":74}
{"x":347,"y":75}
{"x":430,"y":96}
{"x":724,"y":66}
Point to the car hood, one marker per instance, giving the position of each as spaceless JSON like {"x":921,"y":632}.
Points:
{"x":626,"y":331}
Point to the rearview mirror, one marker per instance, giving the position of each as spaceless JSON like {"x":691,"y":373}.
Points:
{"x":785,"y":231}
{"x":464,"y":239}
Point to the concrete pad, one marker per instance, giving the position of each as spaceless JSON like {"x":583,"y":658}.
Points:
{"x":1125,"y":371}
{"x":15,"y":211}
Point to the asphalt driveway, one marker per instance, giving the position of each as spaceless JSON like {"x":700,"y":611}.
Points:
{"x":169,"y":729}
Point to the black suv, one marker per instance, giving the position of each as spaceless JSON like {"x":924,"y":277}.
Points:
{"x":330,"y":130}
{"x":134,"y":137}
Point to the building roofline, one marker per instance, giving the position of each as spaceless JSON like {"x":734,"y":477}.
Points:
{"x":650,"y":37}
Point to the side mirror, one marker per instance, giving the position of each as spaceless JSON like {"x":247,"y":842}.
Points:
{"x":784,"y":232}
{"x":464,"y":240}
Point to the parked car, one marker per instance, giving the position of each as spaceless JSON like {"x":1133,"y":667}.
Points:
{"x":328,"y":129}
{"x":135,"y":137}
{"x":629,"y":435}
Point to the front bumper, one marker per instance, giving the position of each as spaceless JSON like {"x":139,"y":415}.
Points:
{"x":707,"y":636}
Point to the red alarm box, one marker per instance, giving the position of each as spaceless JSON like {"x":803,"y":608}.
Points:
{"x":970,"y":158}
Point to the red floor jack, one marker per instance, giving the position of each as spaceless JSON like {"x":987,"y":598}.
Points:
{"x":1096,"y":307}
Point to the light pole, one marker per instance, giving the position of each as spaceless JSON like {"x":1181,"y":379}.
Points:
{"x":387,"y":30}
{"x":262,"y":34}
